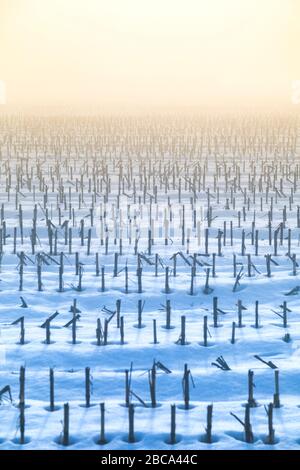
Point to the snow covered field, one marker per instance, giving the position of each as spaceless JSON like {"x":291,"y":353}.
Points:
{"x":161,"y":186}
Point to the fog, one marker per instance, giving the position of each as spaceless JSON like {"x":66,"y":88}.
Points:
{"x":141,"y":53}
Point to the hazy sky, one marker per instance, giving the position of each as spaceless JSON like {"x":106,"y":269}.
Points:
{"x":149,"y":52}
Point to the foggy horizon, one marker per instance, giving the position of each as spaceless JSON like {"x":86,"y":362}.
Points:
{"x":142,"y":56}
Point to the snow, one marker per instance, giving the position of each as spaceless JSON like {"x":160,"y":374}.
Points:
{"x":226,"y":390}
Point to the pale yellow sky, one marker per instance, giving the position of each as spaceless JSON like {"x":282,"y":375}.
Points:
{"x":149,"y":52}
